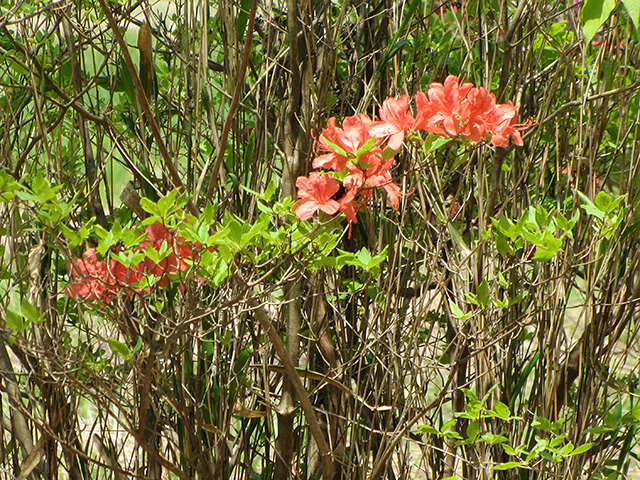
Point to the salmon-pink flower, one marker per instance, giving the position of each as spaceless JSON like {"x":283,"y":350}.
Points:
{"x":101,"y":280}
{"x":343,"y":143}
{"x":355,"y":132}
{"x":314,"y":194}
{"x":501,"y":123}
{"x":447,"y":100}
{"x":395,"y":121}
{"x":179,"y":254}
{"x":382,"y":178}
{"x":330,"y":160}
{"x":456,"y":109}
{"x":97,"y":280}
{"x":427,"y":118}
{"x":478,"y":107}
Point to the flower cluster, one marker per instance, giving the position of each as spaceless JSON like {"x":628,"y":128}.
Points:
{"x":359,"y":155}
{"x":353,"y":151}
{"x":101,"y":280}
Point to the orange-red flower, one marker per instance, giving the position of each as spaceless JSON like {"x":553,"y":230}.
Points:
{"x":341,"y":144}
{"x":314,"y":194}
{"x":330,"y":160}
{"x":447,"y":101}
{"x":176,"y":260}
{"x":454,"y":109}
{"x":426,"y":118}
{"x":478,"y":107}
{"x":502,"y":122}
{"x":395,"y":121}
{"x":101,"y":280}
{"x":97,"y":280}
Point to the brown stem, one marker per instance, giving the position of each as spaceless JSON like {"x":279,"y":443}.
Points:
{"x":144,"y":103}
{"x":290,"y":370}
{"x":19,"y":426}
{"x":89,"y":159}
{"x":235,"y":102}
{"x":286,"y":408}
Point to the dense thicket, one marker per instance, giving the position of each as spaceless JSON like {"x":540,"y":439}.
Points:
{"x":485,"y":329}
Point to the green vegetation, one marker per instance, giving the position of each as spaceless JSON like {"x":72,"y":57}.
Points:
{"x":187,"y":292}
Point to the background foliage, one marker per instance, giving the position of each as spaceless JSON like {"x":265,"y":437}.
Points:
{"x":487,"y":329}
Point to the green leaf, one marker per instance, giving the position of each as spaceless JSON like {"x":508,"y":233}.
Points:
{"x":502,"y":244}
{"x":8,"y":186}
{"x":541,"y":423}
{"x":523,"y":377}
{"x":633,"y":8}
{"x":378,"y":259}
{"x":599,"y":430}
{"x":594,"y":14}
{"x":548,"y":248}
{"x":488,"y":394}
{"x":14,"y":321}
{"x":508,"y":465}
{"x":473,"y":398}
{"x":428,"y":429}
{"x":493,"y":439}
{"x":243,"y":18}
{"x":433,"y":142}
{"x":558,"y":440}
{"x":366,"y":148}
{"x":119,"y":349}
{"x":501,"y":410}
{"x":29,"y":311}
{"x":483,"y":293}
{"x":567,"y":225}
{"x":170,"y":203}
{"x":457,"y":312}
{"x":458,"y":240}
{"x":602,"y":201}
{"x":509,"y":450}
{"x":581,"y":449}
{"x":235,"y":233}
{"x":394,"y":45}
{"x":334,"y":147}
{"x":473,"y":298}
{"x":472,"y":430}
{"x":393,"y":50}
{"x":270,"y":191}
{"x":363,"y":256}
{"x":149,"y":206}
{"x":126,"y":80}
{"x":451,"y":423}
{"x":589,"y":206}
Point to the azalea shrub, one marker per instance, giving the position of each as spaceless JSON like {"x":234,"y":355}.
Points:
{"x":160,"y":256}
{"x":359,"y":156}
{"x":391,"y":240}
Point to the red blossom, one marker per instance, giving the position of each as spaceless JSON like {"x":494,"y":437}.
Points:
{"x":355,"y":132}
{"x":350,"y":138}
{"x":314,"y":194}
{"x":98,"y":279}
{"x":383,"y":180}
{"x":454,"y":109}
{"x":330,"y":160}
{"x":502,"y":122}
{"x":447,"y":99}
{"x":395,"y":121}
{"x":478,"y":107}
{"x":101,"y":280}
{"x":426,"y":118}
{"x":449,"y":109}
